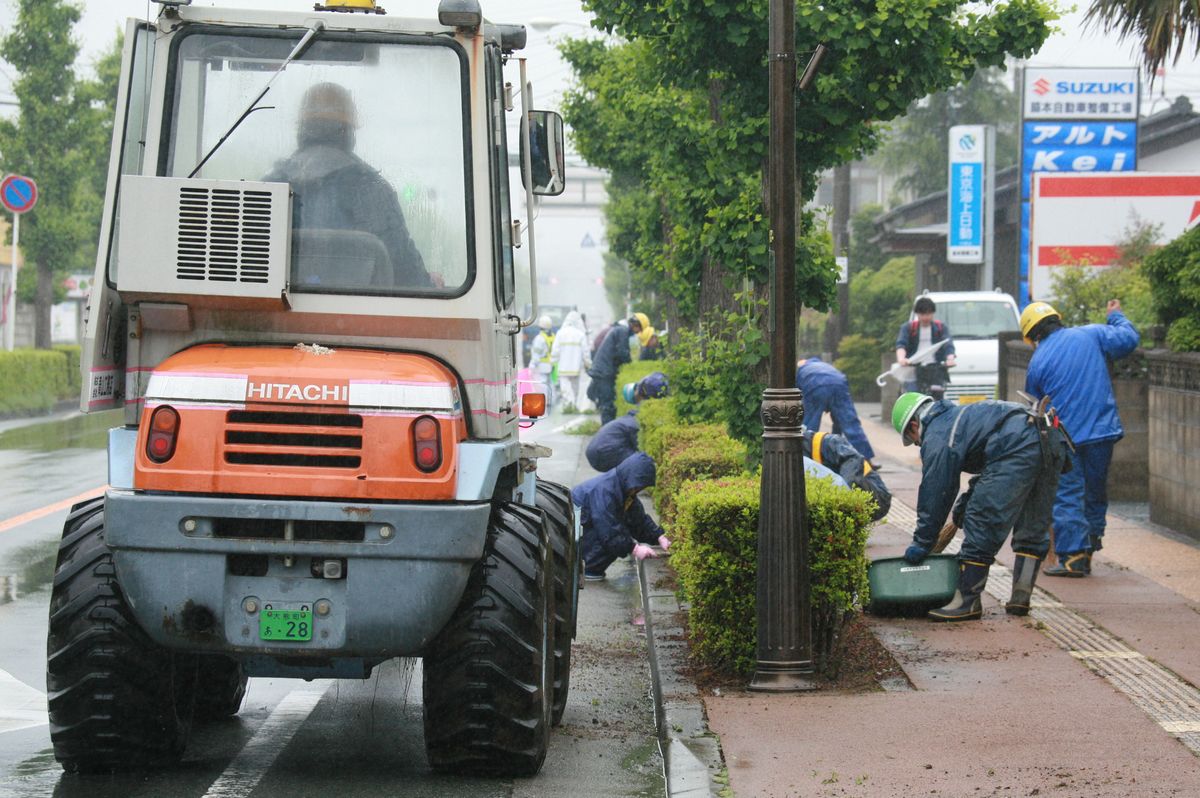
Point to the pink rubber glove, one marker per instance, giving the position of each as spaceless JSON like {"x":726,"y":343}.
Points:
{"x":664,"y":542}
{"x":641,"y":551}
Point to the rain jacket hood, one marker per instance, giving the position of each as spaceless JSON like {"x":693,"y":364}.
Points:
{"x":612,"y":519}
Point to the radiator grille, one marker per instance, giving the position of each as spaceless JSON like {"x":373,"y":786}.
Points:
{"x":297,"y":440}
{"x":224,"y":235}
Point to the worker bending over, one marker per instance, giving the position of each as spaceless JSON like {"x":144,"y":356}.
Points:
{"x":1018,"y":454}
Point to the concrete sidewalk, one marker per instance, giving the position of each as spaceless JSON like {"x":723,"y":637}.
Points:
{"x":1092,"y":695}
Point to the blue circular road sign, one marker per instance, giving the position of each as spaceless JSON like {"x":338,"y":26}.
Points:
{"x":18,"y":193}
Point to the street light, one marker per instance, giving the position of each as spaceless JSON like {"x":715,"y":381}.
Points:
{"x":783,"y":606}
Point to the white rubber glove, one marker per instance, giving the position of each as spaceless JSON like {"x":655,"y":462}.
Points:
{"x":641,"y":551}
{"x":664,"y":542}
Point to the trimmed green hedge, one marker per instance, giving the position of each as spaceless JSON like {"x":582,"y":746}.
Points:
{"x":73,"y":353}
{"x":632,"y":372}
{"x":35,"y":380}
{"x":653,"y":418}
{"x":707,"y":457}
{"x":715,"y":557}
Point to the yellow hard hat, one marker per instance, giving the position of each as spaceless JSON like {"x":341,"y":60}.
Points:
{"x":1032,"y":314}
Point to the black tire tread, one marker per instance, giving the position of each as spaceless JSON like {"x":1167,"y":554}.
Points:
{"x":111,"y":690}
{"x":554,"y":500}
{"x":485,"y":710}
{"x":220,"y":687}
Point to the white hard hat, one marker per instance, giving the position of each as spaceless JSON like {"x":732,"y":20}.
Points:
{"x":545,"y":323}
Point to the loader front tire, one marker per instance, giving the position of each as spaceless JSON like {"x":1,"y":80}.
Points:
{"x":488,"y":676}
{"x":555,"y":501}
{"x":118,"y":701}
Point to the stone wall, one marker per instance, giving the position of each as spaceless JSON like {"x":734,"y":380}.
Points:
{"x":1129,"y":476}
{"x":1174,"y":424}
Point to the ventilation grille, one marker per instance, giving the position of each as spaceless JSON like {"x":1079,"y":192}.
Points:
{"x":224,"y":235}
{"x":299,"y":440}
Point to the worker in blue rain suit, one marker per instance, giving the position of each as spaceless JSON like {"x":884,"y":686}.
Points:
{"x":825,"y":389}
{"x":835,"y":453}
{"x":610,"y":356}
{"x":618,"y":439}
{"x":1018,"y":454}
{"x":613,"y":520}
{"x":1070,"y":365}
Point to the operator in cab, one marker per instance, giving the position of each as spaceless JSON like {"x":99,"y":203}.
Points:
{"x":333,"y":189}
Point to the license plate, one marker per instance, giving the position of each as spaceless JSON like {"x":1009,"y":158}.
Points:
{"x":966,"y":400}
{"x":289,"y":626}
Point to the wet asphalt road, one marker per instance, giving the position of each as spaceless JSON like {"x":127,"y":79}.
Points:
{"x":292,"y":738}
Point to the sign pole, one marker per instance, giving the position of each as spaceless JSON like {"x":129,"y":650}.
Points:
{"x":10,"y":329}
{"x":18,"y":195}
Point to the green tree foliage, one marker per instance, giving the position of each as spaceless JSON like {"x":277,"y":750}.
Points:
{"x":1174,"y":274}
{"x":1164,"y":29}
{"x":880,"y":301}
{"x":916,"y":150}
{"x":677,"y":109}
{"x":60,"y":129}
{"x":1082,"y":291}
{"x":865,"y":255}
{"x":712,"y":372}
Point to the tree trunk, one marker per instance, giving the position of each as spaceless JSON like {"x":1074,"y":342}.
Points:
{"x":44,"y":299}
{"x":715,"y":292}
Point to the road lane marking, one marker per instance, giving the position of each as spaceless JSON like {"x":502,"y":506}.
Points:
{"x":50,"y":509}
{"x":21,"y":706}
{"x":255,"y":759}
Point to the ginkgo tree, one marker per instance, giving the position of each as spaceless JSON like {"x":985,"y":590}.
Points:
{"x":674,"y":104}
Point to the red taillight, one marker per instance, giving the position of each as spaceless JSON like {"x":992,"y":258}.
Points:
{"x":427,"y":443}
{"x":164,"y":431}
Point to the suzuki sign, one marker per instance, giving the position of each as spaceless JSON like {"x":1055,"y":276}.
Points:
{"x":1080,"y":93}
{"x":1078,"y":219}
{"x":1074,"y":120}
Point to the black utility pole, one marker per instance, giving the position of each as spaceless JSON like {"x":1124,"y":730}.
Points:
{"x":784,"y":620}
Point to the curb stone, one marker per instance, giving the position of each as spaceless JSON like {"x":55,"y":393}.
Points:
{"x":691,"y":751}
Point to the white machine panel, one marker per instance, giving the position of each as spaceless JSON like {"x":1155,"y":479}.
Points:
{"x":194,"y":238}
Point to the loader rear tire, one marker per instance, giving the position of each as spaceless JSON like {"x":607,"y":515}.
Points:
{"x":488,"y":676}
{"x":118,"y":701}
{"x":555,"y":501}
{"x":220,"y":687}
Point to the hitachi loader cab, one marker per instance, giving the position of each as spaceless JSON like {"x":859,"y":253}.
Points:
{"x":306,"y":304}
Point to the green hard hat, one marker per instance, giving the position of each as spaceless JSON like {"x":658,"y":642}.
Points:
{"x":907,"y":406}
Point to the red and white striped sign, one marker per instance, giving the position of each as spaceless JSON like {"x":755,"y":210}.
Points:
{"x":1081,"y":218}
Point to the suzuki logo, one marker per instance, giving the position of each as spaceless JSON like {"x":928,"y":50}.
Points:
{"x":1041,"y":86}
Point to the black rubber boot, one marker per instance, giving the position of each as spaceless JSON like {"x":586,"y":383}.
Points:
{"x":1025,"y":571}
{"x":966,"y":604}
{"x":1076,"y":565}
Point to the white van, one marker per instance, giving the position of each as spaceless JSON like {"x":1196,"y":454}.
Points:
{"x":975,"y":319}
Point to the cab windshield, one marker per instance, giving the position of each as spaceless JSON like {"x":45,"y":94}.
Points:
{"x":370,"y":136}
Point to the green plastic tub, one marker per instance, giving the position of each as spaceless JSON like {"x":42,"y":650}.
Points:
{"x":900,"y":588}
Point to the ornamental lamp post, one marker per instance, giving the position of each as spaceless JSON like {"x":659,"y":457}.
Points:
{"x":784,"y":614}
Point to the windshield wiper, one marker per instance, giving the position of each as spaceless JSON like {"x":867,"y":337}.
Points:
{"x":300,"y":47}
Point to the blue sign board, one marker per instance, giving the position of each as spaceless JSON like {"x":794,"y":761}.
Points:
{"x":1051,"y":146}
{"x":966,"y":205}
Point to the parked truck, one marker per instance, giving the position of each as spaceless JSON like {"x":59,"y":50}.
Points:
{"x":305,"y":302}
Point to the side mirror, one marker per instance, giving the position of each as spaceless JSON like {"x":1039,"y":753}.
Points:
{"x":547,"y":154}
